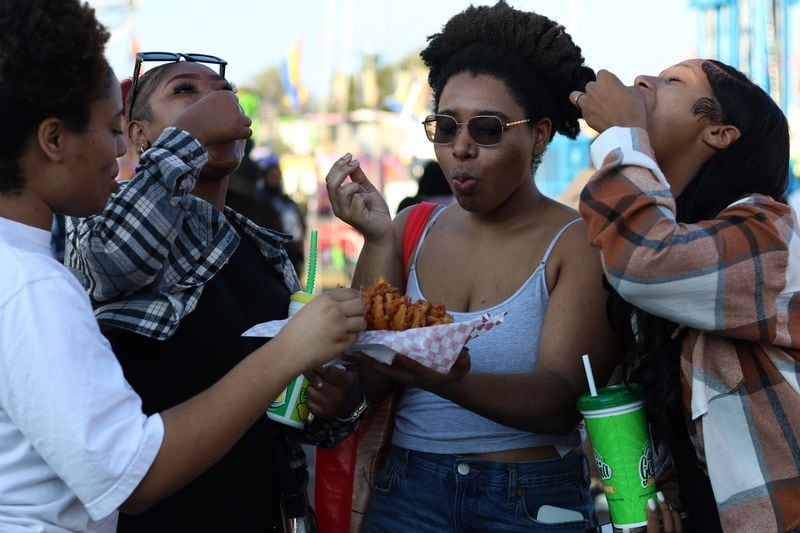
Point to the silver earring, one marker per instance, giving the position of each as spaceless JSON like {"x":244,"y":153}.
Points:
{"x":141,"y":149}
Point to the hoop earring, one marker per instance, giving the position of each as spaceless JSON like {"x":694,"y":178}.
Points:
{"x":141,"y":149}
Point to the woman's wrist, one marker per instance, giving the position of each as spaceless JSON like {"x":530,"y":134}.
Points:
{"x":356,"y":407}
{"x":380,"y":240}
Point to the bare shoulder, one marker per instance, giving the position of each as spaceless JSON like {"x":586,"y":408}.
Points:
{"x":401,"y":219}
{"x":572,"y":254}
{"x":574,"y":237}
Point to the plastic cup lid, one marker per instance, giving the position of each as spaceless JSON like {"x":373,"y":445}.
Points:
{"x":613,"y":396}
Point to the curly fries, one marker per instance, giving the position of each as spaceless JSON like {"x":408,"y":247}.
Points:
{"x":386,"y":308}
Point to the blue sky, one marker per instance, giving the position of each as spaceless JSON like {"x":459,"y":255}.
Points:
{"x":628,"y":37}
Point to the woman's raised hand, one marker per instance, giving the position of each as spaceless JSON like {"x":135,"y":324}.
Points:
{"x":608,"y":102}
{"x":358,"y":202}
{"x":216,"y":118}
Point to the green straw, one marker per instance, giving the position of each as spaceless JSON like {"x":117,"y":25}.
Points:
{"x":312,"y":263}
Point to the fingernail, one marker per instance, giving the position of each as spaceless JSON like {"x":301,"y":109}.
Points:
{"x":346,"y":156}
{"x":651,"y":504}
{"x":660,"y":496}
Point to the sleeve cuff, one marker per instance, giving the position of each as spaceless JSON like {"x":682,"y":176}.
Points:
{"x":625,"y":143}
{"x":112,"y":499}
{"x":181,"y":166}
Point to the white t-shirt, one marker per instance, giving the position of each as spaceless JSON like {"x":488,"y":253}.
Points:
{"x":74,"y":442}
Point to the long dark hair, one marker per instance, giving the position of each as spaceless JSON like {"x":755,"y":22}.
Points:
{"x":756,"y":163}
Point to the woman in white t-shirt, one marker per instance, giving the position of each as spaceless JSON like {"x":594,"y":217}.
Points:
{"x":75,"y":444}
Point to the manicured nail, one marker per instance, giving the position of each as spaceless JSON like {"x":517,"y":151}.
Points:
{"x":660,"y":496}
{"x":651,"y":504}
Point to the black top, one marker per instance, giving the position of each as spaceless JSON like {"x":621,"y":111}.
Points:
{"x":239,"y":493}
{"x":693,"y":483}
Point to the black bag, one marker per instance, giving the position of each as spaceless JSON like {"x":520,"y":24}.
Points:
{"x":297,"y":516}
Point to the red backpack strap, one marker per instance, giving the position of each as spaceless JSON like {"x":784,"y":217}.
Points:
{"x":345,"y":474}
{"x":415,"y":225}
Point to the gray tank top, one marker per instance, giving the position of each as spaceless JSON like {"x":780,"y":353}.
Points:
{"x":428,"y":423}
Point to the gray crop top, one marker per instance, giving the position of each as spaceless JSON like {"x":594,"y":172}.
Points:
{"x":428,"y":423}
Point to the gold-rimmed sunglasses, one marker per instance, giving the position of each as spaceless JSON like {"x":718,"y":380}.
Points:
{"x":485,"y":130}
{"x":167,"y":57}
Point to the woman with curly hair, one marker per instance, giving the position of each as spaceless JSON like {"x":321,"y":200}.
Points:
{"x":684,"y":209}
{"x":498,"y":448}
{"x":76,"y":445}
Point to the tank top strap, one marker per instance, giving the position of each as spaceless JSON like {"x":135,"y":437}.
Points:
{"x":555,"y":239}
{"x":436,"y":214}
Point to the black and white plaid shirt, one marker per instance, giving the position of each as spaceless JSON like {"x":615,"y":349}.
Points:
{"x":146,"y":258}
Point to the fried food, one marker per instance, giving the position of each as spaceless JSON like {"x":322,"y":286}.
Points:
{"x":386,"y":308}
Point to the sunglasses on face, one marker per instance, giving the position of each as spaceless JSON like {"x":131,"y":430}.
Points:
{"x":167,"y":57}
{"x":485,"y":130}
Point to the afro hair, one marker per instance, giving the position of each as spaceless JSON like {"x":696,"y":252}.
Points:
{"x":532,"y":54}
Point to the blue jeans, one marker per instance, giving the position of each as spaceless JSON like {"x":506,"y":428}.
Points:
{"x":421,"y":492}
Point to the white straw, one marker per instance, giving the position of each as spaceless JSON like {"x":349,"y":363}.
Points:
{"x":589,"y":376}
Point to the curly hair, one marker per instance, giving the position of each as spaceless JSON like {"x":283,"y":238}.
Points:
{"x":52,"y":64}
{"x":532,"y":54}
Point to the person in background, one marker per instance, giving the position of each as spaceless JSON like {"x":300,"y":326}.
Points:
{"x":500,"y":447}
{"x":432,"y":187}
{"x":176,"y":277}
{"x":269,"y":193}
{"x":684,"y":210}
{"x":76,"y":446}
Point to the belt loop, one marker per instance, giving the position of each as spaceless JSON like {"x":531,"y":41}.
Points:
{"x":512,"y":485}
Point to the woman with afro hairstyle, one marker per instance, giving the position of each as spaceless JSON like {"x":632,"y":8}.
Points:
{"x":499,"y":447}
{"x":684,"y":209}
{"x":76,"y":445}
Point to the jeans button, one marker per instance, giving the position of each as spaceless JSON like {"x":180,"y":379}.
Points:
{"x":463,"y":469}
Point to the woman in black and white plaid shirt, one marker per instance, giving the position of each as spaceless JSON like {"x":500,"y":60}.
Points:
{"x":176,"y":277}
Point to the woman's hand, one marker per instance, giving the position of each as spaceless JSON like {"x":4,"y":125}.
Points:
{"x":358,"y":202}
{"x":608,"y":102}
{"x":324,"y":328}
{"x":408,"y":372}
{"x":216,"y":118}
{"x":670,"y":521}
{"x":332,"y":391}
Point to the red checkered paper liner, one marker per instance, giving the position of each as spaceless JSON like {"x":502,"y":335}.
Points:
{"x":436,"y":347}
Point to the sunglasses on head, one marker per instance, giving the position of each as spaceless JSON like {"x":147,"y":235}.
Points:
{"x":485,"y":130}
{"x":167,"y":57}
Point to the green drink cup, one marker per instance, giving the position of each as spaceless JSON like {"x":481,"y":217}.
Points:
{"x":618,"y":431}
{"x":291,"y":405}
